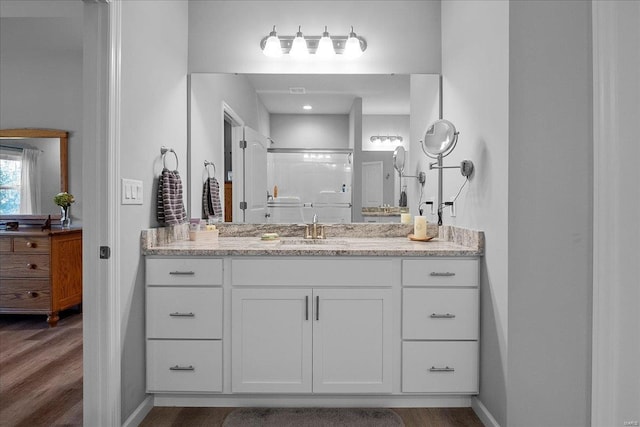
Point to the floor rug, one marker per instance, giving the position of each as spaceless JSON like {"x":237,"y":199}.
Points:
{"x":313,"y":417}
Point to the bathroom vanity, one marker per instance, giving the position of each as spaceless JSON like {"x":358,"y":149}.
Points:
{"x":366,"y":320}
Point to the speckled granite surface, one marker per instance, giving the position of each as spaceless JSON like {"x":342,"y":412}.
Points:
{"x":342,"y":240}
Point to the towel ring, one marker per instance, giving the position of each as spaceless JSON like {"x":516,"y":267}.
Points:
{"x":206,"y":167}
{"x":164,"y":151}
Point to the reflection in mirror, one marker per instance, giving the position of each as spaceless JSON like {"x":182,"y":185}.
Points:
{"x":440,"y":138}
{"x":399,"y":155}
{"x":33,"y":169}
{"x":345,"y":111}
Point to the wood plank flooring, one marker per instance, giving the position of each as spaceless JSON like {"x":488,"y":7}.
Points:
{"x":214,"y":417}
{"x":41,"y":371}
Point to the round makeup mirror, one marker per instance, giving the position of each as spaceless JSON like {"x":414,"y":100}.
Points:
{"x":440,"y":138}
{"x":399,"y":155}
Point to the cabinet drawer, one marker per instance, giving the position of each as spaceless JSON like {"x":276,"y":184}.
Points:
{"x":25,"y":294}
{"x":184,"y":271}
{"x":31,"y":244}
{"x":440,"y":313}
{"x":254,"y":271}
{"x":440,"y":272}
{"x":5,"y":244}
{"x":184,"y":312}
{"x":440,"y":367}
{"x":22,"y":265}
{"x":184,"y":366}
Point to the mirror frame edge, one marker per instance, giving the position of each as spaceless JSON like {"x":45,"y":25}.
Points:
{"x":63,"y":135}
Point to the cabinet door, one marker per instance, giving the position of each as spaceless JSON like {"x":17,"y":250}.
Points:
{"x":271,"y":340}
{"x":352,"y":341}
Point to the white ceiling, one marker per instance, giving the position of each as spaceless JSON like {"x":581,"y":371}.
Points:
{"x":333,"y":93}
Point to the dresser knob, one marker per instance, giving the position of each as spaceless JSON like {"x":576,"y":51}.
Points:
{"x":32,"y":266}
{"x":31,"y":245}
{"x":32,"y":294}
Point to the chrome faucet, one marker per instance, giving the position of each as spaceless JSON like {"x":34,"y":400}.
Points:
{"x":314,"y":231}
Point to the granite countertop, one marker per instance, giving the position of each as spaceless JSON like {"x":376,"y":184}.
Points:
{"x":384,"y":211}
{"x":342,"y":240}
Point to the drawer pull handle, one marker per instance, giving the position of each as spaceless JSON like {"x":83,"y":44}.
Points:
{"x":445,"y":369}
{"x":32,"y":266}
{"x":177,"y":314}
{"x":32,"y":294}
{"x":182,"y":368}
{"x":442,"y":274}
{"x":31,"y":244}
{"x":182,"y":273}
{"x":442,"y":316}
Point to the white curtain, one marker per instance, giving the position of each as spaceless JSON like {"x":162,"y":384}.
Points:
{"x":30,"y":182}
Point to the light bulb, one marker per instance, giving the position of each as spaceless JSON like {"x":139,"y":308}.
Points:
{"x":299,"y":46}
{"x":272,"y":46}
{"x":352,"y":47}
{"x":325,"y":46}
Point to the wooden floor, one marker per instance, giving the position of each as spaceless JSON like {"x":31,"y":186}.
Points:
{"x":213,"y":417}
{"x":41,"y":371}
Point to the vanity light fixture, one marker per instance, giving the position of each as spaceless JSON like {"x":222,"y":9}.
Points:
{"x":324,"y":46}
{"x":386,"y":139}
{"x":307,"y":107}
{"x":299,"y":46}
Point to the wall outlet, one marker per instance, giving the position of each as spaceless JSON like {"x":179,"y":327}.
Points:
{"x":131,"y":192}
{"x":452,"y":207}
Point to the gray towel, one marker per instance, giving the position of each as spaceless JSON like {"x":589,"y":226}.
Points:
{"x":170,"y":205}
{"x":211,"y":207}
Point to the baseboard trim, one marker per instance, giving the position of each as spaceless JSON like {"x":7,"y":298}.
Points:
{"x":140,"y":412}
{"x":317,"y":401}
{"x":483,"y":413}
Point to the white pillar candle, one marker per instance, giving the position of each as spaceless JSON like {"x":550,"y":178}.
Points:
{"x":405,"y":218}
{"x":420,"y":227}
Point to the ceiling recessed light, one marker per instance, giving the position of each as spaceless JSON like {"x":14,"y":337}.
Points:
{"x":307,"y":107}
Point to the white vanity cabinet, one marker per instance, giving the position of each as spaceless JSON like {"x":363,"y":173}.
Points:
{"x":184,"y":325}
{"x":311,"y":340}
{"x":440,"y":324}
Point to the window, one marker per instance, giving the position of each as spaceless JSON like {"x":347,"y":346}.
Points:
{"x":10,"y":170}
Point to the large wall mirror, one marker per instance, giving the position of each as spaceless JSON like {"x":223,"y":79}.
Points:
{"x":34,"y":170}
{"x":329,"y":139}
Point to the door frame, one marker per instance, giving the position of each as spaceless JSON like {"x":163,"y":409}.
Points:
{"x":100,"y":155}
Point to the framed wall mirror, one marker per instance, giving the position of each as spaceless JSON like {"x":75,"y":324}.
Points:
{"x":34,"y":170}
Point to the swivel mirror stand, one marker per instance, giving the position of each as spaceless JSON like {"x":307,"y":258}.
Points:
{"x":439,"y":141}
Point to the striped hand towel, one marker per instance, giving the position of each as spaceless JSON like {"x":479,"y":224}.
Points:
{"x":211,"y":206}
{"x":170,"y":204}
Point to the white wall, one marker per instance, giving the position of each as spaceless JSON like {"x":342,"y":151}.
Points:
{"x":425,"y":109}
{"x":475,"y":100}
{"x":41,"y":84}
{"x":550,"y":213}
{"x":387,"y":26}
{"x":616,"y":99}
{"x":208,"y":92}
{"x":153,"y":114}
{"x":310,"y":130}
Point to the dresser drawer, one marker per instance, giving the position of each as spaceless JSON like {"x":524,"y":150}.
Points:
{"x":440,"y":367}
{"x":25,"y":294}
{"x":5,"y":244}
{"x":440,"y":313}
{"x":23,"y":265}
{"x":184,"y":271}
{"x":184,"y":366}
{"x":181,"y":312}
{"x":25,"y":244}
{"x":440,"y":272}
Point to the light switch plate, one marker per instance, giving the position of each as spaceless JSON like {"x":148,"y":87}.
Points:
{"x":131,"y":192}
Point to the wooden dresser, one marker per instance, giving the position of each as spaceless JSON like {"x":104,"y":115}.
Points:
{"x":40,"y":271}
